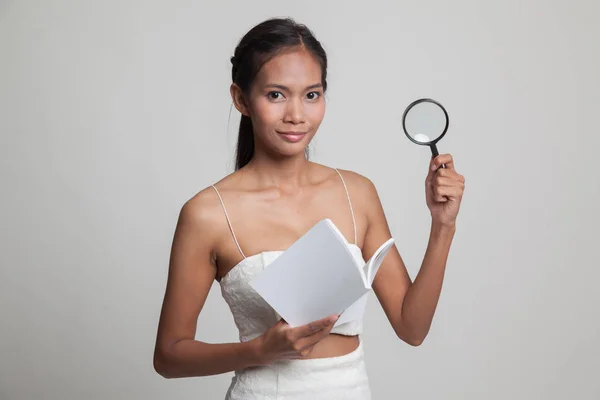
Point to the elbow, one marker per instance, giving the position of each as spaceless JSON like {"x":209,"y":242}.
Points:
{"x":162,"y":366}
{"x":415,"y":342}
{"x":411,"y":339}
{"x":165,"y":361}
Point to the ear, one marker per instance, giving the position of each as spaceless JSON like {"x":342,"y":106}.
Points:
{"x":239,"y":100}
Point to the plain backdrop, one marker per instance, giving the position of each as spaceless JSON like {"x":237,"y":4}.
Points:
{"x":114,"y":113}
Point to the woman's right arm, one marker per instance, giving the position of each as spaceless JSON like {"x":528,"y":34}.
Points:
{"x":192,"y":271}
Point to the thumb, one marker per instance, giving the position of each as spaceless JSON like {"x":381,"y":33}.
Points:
{"x":429,"y":171}
{"x":280,"y":325}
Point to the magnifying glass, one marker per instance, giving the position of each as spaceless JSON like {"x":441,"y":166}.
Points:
{"x":425,"y":122}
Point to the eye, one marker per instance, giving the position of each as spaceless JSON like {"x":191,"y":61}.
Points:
{"x":313,"y":95}
{"x":275,"y":95}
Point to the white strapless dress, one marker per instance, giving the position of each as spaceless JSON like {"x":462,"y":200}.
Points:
{"x":344,"y":377}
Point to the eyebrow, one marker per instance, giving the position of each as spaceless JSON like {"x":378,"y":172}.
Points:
{"x":274,"y":85}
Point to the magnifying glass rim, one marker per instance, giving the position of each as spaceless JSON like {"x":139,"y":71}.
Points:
{"x":414,"y":103}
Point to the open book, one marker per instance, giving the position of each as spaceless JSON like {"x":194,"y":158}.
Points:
{"x":318,"y":276}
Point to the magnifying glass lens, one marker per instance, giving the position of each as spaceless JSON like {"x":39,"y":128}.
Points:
{"x":425,"y":122}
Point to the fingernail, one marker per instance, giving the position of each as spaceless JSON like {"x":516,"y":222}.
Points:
{"x":433,"y":167}
{"x":333,"y":319}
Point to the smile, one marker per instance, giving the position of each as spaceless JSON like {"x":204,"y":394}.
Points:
{"x":292,"y":136}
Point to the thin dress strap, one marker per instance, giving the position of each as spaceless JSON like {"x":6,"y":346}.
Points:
{"x":350,"y":203}
{"x":229,"y":221}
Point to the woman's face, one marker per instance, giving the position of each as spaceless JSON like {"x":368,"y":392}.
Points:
{"x":286,"y":102}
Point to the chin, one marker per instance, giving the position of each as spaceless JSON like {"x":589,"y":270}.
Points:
{"x":288,"y":151}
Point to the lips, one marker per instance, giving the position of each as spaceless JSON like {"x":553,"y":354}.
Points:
{"x":292,"y":136}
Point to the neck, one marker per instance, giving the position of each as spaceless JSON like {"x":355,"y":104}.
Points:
{"x":285,"y":173}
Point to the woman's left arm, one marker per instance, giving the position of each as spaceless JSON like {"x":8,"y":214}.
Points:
{"x":410,"y":306}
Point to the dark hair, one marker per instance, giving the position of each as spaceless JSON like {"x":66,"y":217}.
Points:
{"x":257,"y":47}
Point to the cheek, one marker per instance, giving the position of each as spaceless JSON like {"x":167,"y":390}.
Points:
{"x":316,"y":112}
{"x":268,"y":113}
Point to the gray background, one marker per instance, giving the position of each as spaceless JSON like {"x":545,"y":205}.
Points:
{"x":113,"y":113}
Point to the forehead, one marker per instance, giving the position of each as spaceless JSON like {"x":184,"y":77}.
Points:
{"x":291,"y":68}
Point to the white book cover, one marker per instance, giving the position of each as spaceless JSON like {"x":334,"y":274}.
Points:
{"x":318,"y":276}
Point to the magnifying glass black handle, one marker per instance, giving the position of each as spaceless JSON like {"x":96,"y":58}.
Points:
{"x":434,"y":151}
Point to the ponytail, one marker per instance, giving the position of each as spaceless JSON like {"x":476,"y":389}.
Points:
{"x":245,"y":145}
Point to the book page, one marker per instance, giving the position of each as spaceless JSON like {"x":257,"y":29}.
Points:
{"x":372,"y":266}
{"x":316,"y":277}
{"x":356,"y":310}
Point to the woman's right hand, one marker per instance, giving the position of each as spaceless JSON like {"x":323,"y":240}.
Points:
{"x":281,"y":341}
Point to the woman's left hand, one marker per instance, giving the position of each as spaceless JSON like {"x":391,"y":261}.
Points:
{"x":443,"y":190}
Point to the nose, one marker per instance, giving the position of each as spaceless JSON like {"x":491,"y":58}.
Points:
{"x":294,"y":112}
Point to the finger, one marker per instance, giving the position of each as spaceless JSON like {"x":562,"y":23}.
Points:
{"x":305,"y":352}
{"x":434,"y":175}
{"x":431,"y":170}
{"x":438,"y":195}
{"x":312,"y":327}
{"x":311,"y":340}
{"x":282,"y":322}
{"x":452,"y":175}
{"x":445,"y":159}
{"x":441,"y":180}
{"x":443,"y":193}
{"x":435,"y":165}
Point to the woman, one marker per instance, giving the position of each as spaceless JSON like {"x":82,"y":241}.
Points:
{"x":231,"y":230}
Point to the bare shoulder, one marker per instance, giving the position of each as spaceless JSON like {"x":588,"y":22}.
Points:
{"x":205,"y":206}
{"x":364,"y":196}
{"x":200,"y":209}
{"x":359,"y":186}
{"x":202,"y":216}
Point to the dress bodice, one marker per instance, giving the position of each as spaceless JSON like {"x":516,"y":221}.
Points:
{"x":251,"y":313}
